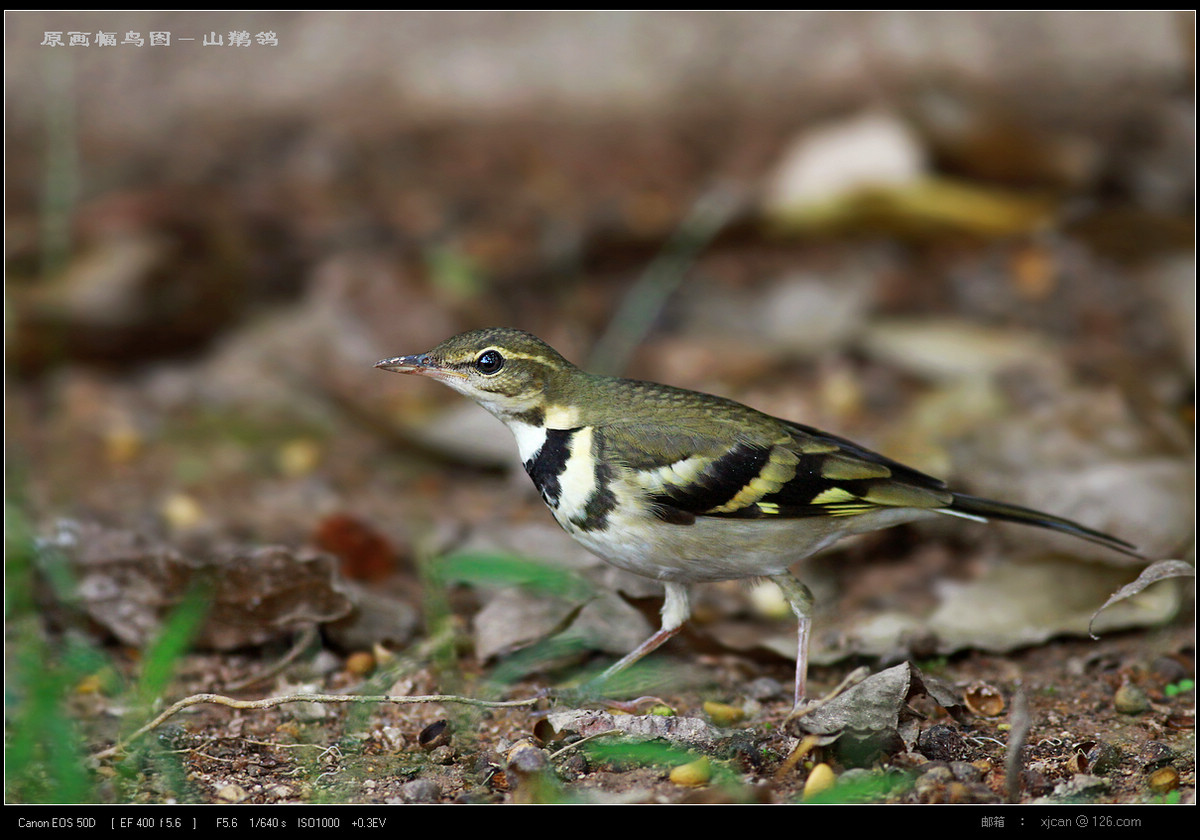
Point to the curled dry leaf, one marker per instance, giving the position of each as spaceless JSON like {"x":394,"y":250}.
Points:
{"x":364,"y":552}
{"x":436,"y":734}
{"x":1101,"y":757}
{"x":876,"y":710}
{"x":1153,"y":573}
{"x":984,"y":700}
{"x":129,"y":584}
{"x":544,"y":732}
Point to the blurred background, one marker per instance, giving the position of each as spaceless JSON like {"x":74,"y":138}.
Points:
{"x":965,"y":239}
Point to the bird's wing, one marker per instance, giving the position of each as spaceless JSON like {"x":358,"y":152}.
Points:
{"x":766,"y":469}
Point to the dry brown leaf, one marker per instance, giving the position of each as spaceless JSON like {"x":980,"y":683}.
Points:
{"x":1153,"y":573}
{"x":129,"y":584}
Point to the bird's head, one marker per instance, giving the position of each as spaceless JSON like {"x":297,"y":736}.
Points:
{"x":511,"y":373}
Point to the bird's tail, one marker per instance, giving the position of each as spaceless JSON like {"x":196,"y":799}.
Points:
{"x":973,"y":506}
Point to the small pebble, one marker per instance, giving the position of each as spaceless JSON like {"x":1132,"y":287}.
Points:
{"x":307,"y":712}
{"x":443,"y":755}
{"x":1103,"y":758}
{"x":856,"y":775}
{"x":575,"y":766}
{"x":392,"y":737}
{"x":526,"y":759}
{"x":965,"y":772}
{"x":232,"y":793}
{"x":1156,"y":754}
{"x":764,"y":688}
{"x":420,"y":791}
{"x":1082,"y":785}
{"x":1168,"y":669}
{"x":1130,"y":699}
{"x":937,"y":776}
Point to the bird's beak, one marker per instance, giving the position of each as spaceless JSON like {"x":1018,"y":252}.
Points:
{"x":420,"y":364}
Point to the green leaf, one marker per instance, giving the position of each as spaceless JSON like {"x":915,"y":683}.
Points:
{"x":173,"y":641}
{"x":498,"y":570}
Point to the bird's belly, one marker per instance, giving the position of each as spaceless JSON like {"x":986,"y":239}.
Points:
{"x":713,"y":549}
{"x":607,"y":510}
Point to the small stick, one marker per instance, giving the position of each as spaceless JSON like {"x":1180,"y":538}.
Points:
{"x":271,"y":702}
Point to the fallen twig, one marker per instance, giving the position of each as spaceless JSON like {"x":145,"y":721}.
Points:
{"x":577,"y":744}
{"x":303,"y":639}
{"x":271,"y":702}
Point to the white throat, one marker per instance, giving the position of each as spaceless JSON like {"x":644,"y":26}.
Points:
{"x":529,"y":439}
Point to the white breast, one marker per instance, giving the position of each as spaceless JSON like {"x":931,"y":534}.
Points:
{"x":577,"y":482}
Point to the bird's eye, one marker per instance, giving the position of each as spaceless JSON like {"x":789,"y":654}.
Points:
{"x":489,"y":362}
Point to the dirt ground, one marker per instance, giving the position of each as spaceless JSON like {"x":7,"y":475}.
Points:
{"x":1079,"y":747}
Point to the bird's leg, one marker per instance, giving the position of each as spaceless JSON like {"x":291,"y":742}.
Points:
{"x":800,"y":598}
{"x":675,"y":611}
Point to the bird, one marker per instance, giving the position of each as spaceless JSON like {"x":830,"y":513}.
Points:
{"x":686,"y":487}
